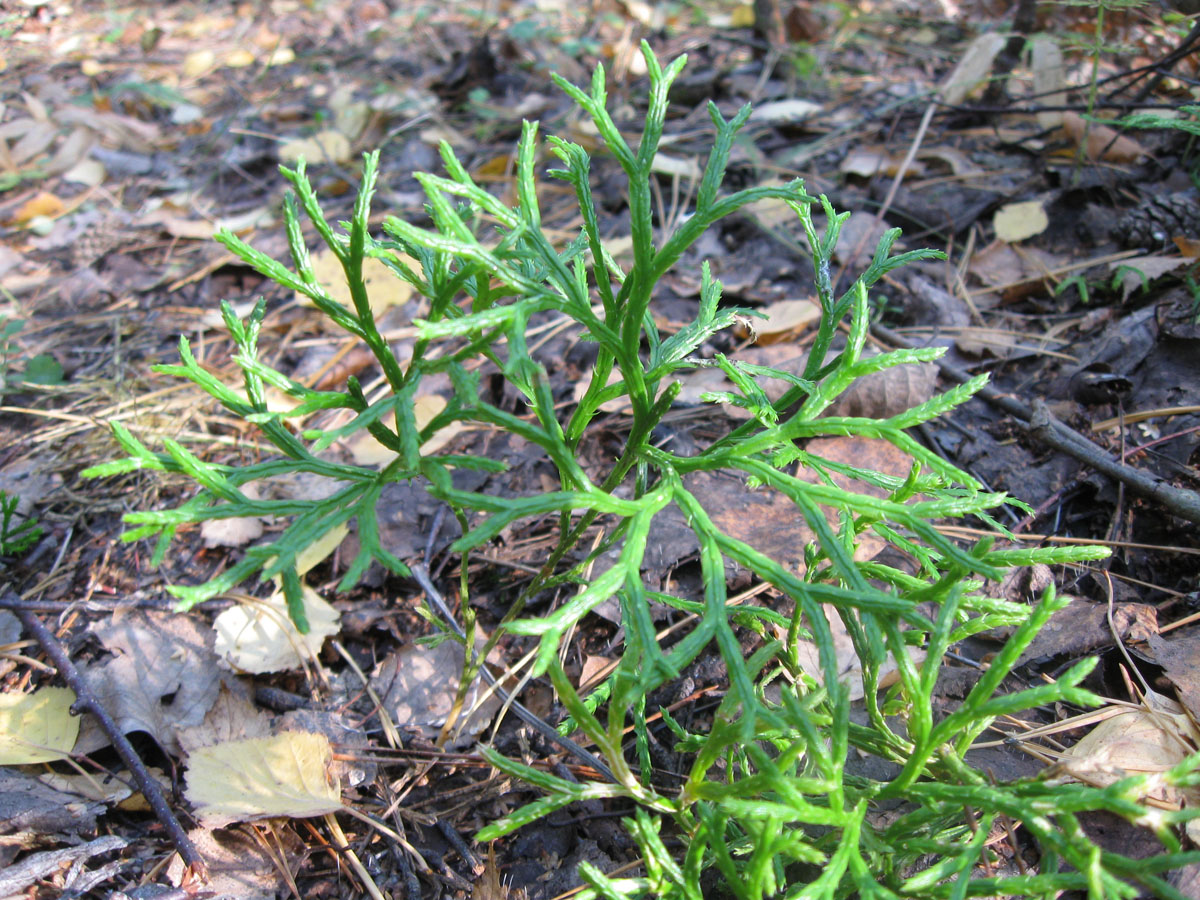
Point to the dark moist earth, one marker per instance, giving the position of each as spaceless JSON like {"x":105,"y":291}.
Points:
{"x":129,"y":132}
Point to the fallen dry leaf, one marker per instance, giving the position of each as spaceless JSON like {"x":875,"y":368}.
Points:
{"x":385,"y":288}
{"x":1017,"y":221}
{"x":1049,"y":78}
{"x":259,"y":778}
{"x":973,"y":68}
{"x":1014,"y":274}
{"x":234,"y":531}
{"x":198,"y":62}
{"x":868,"y":161}
{"x":232,"y":717}
{"x":1103,"y":143}
{"x":239,"y":59}
{"x":323,"y":147}
{"x":318,"y":550}
{"x":263,"y":638}
{"x":1180,"y":658}
{"x":849,"y":665}
{"x":1147,"y":740}
{"x":239,"y":867}
{"x":785,"y":320}
{"x":37,"y":727}
{"x":43,"y":203}
{"x":162,"y":676}
{"x":1140,"y":271}
{"x":887,"y":392}
{"x":783,"y":112}
{"x":418,"y":685}
{"x":980,"y":342}
{"x":366,"y":451}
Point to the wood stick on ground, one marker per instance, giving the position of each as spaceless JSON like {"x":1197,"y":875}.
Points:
{"x":87,"y":701}
{"x":1050,"y":431}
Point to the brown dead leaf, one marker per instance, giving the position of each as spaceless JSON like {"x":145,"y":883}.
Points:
{"x":785,"y":321}
{"x":869,"y":161}
{"x":878,"y":395}
{"x":232,"y":717}
{"x":594,"y":669}
{"x":980,"y":342}
{"x":1014,"y":274}
{"x":887,"y":392}
{"x":1149,"y":740}
{"x":488,"y":885}
{"x":238,"y":865}
{"x":765,"y":518}
{"x":1082,"y":627}
{"x":958,"y":162}
{"x":849,"y":666}
{"x":1188,"y":247}
{"x":1140,"y":271}
{"x":1180,"y":657}
{"x":858,"y":239}
{"x":155,"y":656}
{"x":1103,"y":143}
{"x":418,"y":685}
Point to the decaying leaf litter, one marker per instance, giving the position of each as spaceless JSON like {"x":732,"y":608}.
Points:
{"x":134,"y":135}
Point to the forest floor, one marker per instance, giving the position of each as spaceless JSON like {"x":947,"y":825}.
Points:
{"x":130,"y":132}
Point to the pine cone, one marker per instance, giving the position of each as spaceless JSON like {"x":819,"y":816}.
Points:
{"x":1156,"y":220}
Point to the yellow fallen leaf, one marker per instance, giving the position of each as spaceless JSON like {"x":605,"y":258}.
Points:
{"x":1018,"y":221}
{"x":37,"y":727}
{"x":384,"y":287}
{"x":239,"y":59}
{"x":320,"y":548}
{"x":284,"y":775}
{"x":43,"y":203}
{"x":366,"y":451}
{"x":198,"y":62}
{"x":323,"y":147}
{"x":262,"y":638}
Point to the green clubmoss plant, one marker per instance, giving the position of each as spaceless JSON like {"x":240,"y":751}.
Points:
{"x":765,"y":800}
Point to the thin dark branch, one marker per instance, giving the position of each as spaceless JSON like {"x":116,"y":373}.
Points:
{"x":1050,"y":431}
{"x":89,"y":702}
